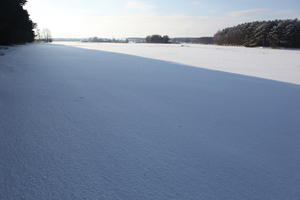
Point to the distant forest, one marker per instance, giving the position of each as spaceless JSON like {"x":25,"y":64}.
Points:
{"x":276,"y":33}
{"x":167,"y":39}
{"x":106,"y":40}
{"x":15,"y":24}
{"x":200,"y":40}
{"x":157,"y":39}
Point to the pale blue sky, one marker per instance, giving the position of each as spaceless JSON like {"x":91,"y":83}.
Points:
{"x":123,"y":18}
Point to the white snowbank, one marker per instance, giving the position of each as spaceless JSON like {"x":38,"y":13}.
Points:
{"x":275,"y":64}
{"x":82,"y":124}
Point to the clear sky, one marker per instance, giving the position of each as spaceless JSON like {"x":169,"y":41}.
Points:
{"x":138,"y":18}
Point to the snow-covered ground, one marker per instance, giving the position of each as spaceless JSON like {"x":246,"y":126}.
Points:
{"x":275,"y":64}
{"x":84,"y":124}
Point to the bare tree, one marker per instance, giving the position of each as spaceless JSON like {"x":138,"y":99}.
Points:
{"x":46,"y":35}
{"x":38,"y":36}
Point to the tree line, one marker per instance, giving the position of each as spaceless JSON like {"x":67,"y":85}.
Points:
{"x":108,"y":40}
{"x":157,"y":39}
{"x":15,"y":25}
{"x":199,"y":40}
{"x":275,"y":33}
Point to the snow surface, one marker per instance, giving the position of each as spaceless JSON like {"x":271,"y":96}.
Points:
{"x":87,"y":124}
{"x":276,"y":64}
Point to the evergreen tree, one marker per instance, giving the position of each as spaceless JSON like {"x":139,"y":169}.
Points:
{"x":15,"y":24}
{"x":276,"y":33}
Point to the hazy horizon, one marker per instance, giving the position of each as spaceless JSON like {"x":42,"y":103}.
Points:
{"x":178,"y":18}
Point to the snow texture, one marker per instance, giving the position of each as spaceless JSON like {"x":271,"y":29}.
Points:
{"x":84,"y":124}
{"x":275,"y":64}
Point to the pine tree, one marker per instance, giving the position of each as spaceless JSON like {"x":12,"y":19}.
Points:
{"x":15,"y":24}
{"x":276,"y":33}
